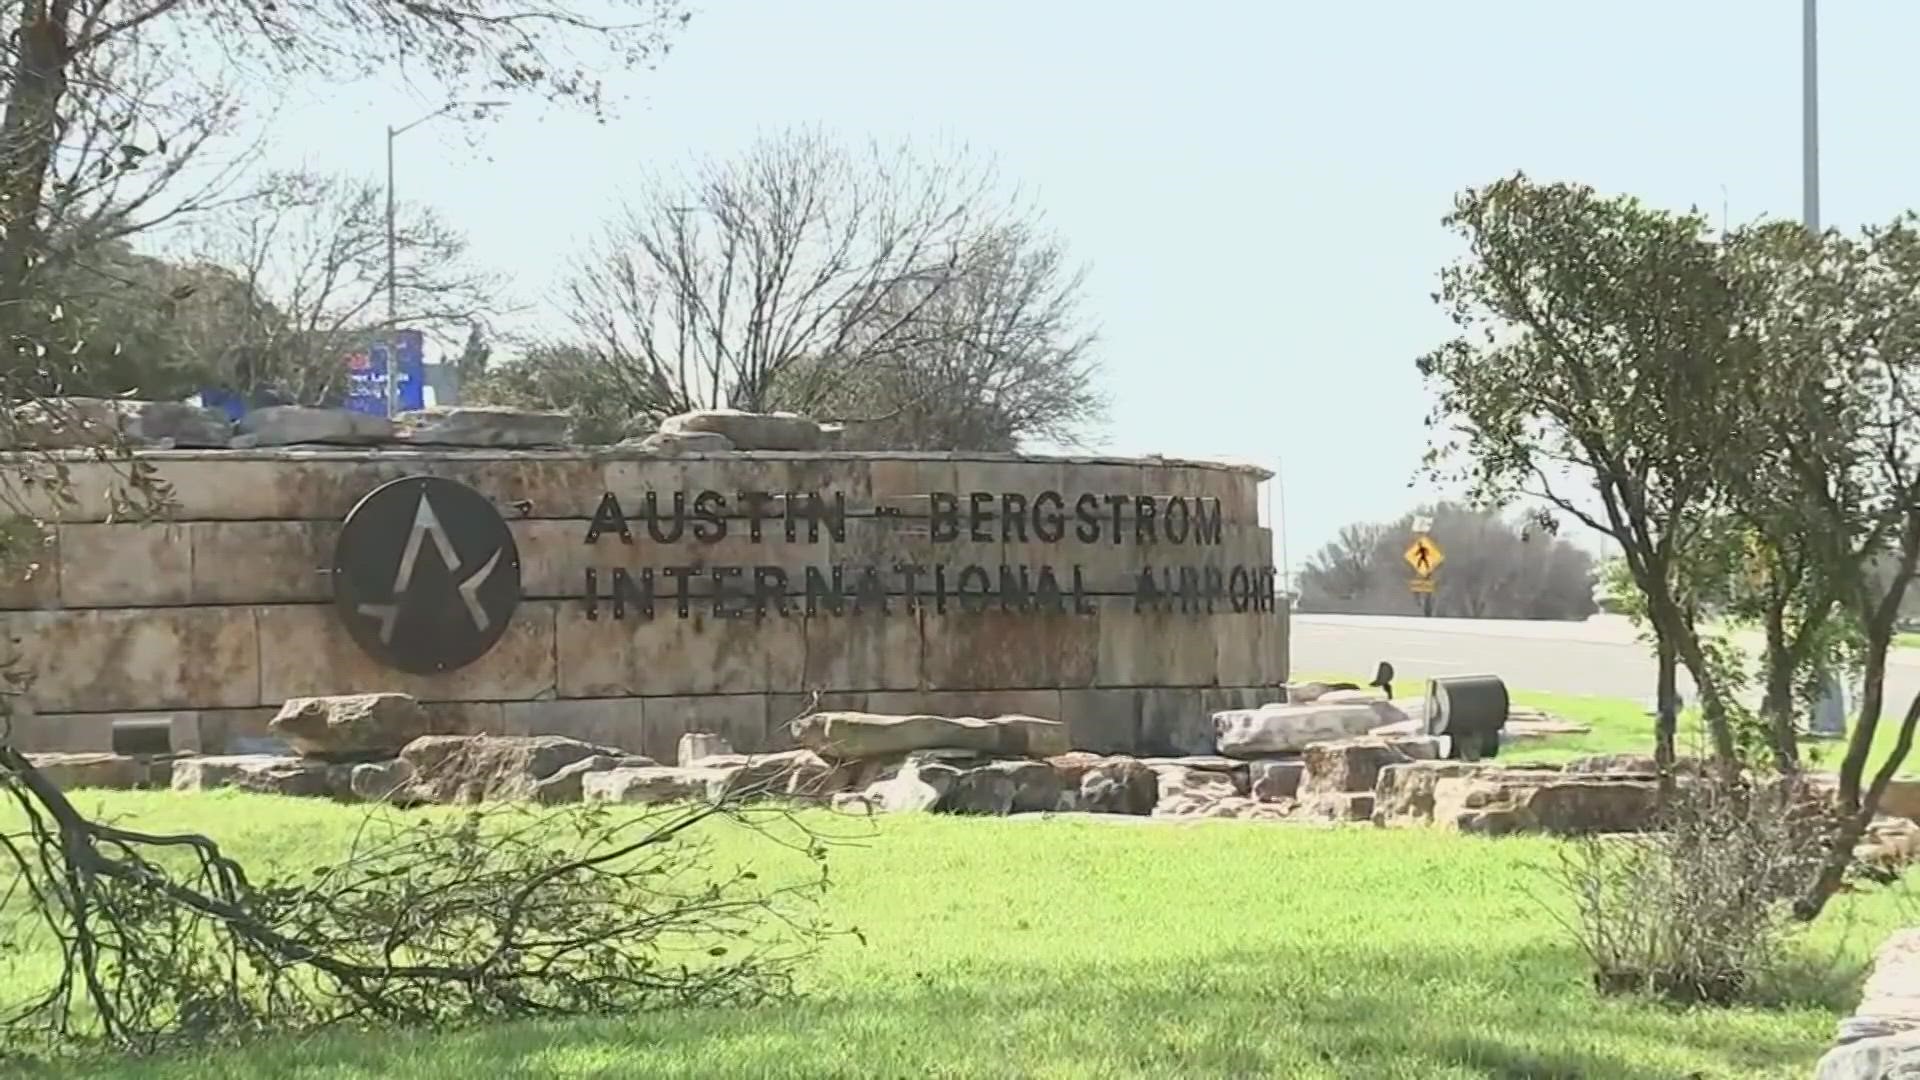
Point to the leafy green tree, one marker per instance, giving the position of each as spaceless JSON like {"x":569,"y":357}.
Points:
{"x":1588,"y":368}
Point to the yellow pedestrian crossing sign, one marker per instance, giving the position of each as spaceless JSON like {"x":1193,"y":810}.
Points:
{"x":1425,"y":556}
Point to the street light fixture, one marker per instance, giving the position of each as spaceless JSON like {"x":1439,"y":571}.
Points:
{"x":393,"y":306}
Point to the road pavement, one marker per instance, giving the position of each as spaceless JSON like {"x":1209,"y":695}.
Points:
{"x":1600,"y":656}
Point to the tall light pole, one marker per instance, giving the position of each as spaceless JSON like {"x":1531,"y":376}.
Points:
{"x":393,"y":303}
{"x":1810,"y":116}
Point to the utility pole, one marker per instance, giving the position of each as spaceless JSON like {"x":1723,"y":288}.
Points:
{"x":1810,"y":116}
{"x":393,"y":303}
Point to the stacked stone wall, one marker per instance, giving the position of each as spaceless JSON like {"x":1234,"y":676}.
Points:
{"x":216,"y":616}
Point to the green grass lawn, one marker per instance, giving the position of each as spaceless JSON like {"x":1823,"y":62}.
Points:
{"x":1063,"y":948}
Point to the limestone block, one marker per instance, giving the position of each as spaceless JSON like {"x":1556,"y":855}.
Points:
{"x":38,"y":732}
{"x":630,"y":480}
{"x":1148,"y":648}
{"x":1275,"y":779}
{"x":1278,"y":729}
{"x":133,"y":565}
{"x":612,"y":722}
{"x":1009,"y":649}
{"x":649,"y":784}
{"x":1044,"y":704}
{"x":350,"y":725}
{"x":262,"y":562}
{"x":233,"y":731}
{"x":1102,"y":721}
{"x":856,"y":736}
{"x":862,"y":652}
{"x":1239,"y":646}
{"x":265,"y":774}
{"x":750,"y":431}
{"x":484,"y":425}
{"x":306,"y":652}
{"x":285,"y":425}
{"x":554,"y":558}
{"x":668,"y":655}
{"x":1173,"y":720}
{"x":107,"y":659}
{"x":69,"y":771}
{"x":35,"y":582}
{"x":695,"y":745}
{"x":912,"y":475}
{"x":741,"y":719}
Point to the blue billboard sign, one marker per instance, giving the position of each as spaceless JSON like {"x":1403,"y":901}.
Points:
{"x":367,"y":376}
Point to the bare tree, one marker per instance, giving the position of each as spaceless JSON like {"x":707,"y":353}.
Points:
{"x":807,"y":276}
{"x":552,"y":48}
{"x":311,"y":254}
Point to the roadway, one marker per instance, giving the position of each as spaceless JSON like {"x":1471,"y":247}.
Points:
{"x":1600,"y":656}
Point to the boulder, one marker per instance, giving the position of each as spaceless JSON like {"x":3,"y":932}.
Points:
{"x":565,"y":786}
{"x":1284,"y":729}
{"x":1234,"y":807}
{"x":289,"y":425}
{"x":488,"y":768}
{"x":1885,"y":1057}
{"x":347,"y":727}
{"x":265,"y":774}
{"x":687,"y":442}
{"x":1118,"y":785}
{"x":796,"y":773}
{"x":981,"y":790}
{"x":651,"y":784}
{"x":1404,"y":793}
{"x":1075,"y":764}
{"x":1338,"y":806}
{"x":117,"y":772}
{"x":80,"y":422}
{"x":1497,"y":801}
{"x":1350,"y":765}
{"x":1036,"y":786}
{"x":1275,"y":780}
{"x":917,"y":786}
{"x":750,"y":431}
{"x":1180,"y":781}
{"x":842,"y":736}
{"x":484,"y":425}
{"x":1305,"y":693}
{"x":695,"y":745}
{"x":382,"y":781}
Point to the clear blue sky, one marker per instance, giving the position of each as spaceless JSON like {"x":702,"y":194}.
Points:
{"x":1257,"y":187}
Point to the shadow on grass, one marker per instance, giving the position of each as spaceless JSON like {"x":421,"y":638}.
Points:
{"x":1346,"y":1010}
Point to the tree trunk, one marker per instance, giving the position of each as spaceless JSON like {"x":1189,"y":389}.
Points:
{"x":1854,"y":820}
{"x":1666,"y":712}
{"x":1777,"y":706}
{"x":28,"y":132}
{"x":1713,"y":705}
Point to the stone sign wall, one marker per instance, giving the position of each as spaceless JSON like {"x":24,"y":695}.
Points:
{"x":662,"y":594}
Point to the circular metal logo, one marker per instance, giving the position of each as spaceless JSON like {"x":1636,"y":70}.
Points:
{"x":425,"y":574}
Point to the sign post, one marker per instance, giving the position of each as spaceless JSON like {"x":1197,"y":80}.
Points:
{"x":1425,"y":556}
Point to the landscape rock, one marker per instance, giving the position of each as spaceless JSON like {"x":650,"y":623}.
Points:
{"x":484,"y":425}
{"x":1181,"y":781}
{"x":1118,"y":785}
{"x":1279,"y":729}
{"x":289,"y":425}
{"x":917,"y":786}
{"x":350,"y":726}
{"x":454,"y":769}
{"x":79,"y":422}
{"x":794,"y":773}
{"x":1275,"y":780}
{"x":842,"y":736}
{"x":298,"y":776}
{"x":1036,"y":786}
{"x":1305,"y":693}
{"x":1499,"y":801}
{"x":381,"y":781}
{"x":118,"y":772}
{"x":1887,"y":1057}
{"x":565,"y":786}
{"x":695,"y":745}
{"x":1338,"y":806}
{"x":1611,"y":763}
{"x":1404,"y":793}
{"x":1075,"y":764}
{"x":650,"y":784}
{"x":981,"y":791}
{"x":750,"y":431}
{"x":1352,"y":697}
{"x":687,"y":442}
{"x":1233,"y":807}
{"x":1352,"y":765}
